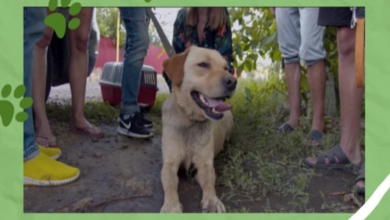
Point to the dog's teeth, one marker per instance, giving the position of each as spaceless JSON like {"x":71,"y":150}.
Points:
{"x":203,"y":99}
{"x":215,"y":111}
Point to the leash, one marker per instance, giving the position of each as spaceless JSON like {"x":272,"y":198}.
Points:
{"x":358,"y":22}
{"x":164,"y":40}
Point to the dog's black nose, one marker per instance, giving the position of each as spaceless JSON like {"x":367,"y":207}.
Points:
{"x":229,"y":82}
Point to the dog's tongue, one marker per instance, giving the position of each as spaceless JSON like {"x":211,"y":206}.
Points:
{"x":219,"y":105}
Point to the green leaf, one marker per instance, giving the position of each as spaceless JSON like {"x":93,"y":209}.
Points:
{"x":248,"y":94}
{"x":240,"y":68}
{"x":267,"y":40}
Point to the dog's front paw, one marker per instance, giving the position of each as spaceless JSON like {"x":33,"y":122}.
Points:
{"x":213,"y":205}
{"x":172,"y":208}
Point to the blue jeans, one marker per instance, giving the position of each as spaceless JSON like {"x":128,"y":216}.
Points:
{"x":136,"y":22}
{"x":33,"y":31}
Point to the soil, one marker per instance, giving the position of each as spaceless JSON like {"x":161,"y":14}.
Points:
{"x":122,"y":175}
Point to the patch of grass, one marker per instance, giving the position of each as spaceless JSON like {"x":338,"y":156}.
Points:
{"x":258,"y":162}
{"x":259,"y":170}
{"x":96,"y":112}
{"x":155,"y":112}
{"x":100,"y":113}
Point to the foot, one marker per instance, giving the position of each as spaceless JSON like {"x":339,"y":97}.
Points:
{"x":313,"y":138}
{"x":43,"y":134}
{"x":213,"y":205}
{"x":53,"y":153}
{"x":46,"y":141}
{"x":133,"y":126}
{"x":334,"y":158}
{"x":145,"y":121}
{"x":360,"y":180}
{"x":285,"y":127}
{"x":83,"y":127}
{"x":44,"y":171}
{"x":171,"y":208}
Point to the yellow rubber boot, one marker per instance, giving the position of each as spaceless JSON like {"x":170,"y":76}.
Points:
{"x":44,"y":171}
{"x":52,"y":152}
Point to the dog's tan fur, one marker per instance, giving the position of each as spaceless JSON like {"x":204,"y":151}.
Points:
{"x":189,"y":137}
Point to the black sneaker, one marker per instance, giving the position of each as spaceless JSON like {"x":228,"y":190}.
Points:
{"x":133,"y":127}
{"x":146,"y":122}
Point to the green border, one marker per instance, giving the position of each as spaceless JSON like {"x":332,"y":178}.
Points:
{"x":377,"y":104}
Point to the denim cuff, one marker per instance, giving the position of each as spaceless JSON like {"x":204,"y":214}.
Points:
{"x":129,"y":109}
{"x":31,"y":152}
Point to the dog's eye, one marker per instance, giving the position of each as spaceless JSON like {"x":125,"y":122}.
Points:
{"x":204,"y":65}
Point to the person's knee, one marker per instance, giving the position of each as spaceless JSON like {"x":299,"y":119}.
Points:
{"x":46,"y":39}
{"x":346,"y":42}
{"x":81,"y":42}
{"x":137,"y":44}
{"x":144,"y":41}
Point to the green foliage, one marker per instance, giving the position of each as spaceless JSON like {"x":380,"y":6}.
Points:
{"x":257,"y":37}
{"x":153,"y":36}
{"x":107,"y":19}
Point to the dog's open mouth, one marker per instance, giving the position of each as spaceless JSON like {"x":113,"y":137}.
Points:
{"x":212,"y":107}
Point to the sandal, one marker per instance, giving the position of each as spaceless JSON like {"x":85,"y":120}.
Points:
{"x":342,"y":161}
{"x":362,"y":176}
{"x":93,"y":131}
{"x":46,"y":142}
{"x":313,"y":138}
{"x":285,"y":127}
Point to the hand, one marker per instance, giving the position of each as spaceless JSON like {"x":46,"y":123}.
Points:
{"x":272,"y":11}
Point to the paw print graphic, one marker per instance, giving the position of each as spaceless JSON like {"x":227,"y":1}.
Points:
{"x":57,"y":21}
{"x":7,"y":109}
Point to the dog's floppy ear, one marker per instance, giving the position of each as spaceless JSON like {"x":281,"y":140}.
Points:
{"x":174,"y":67}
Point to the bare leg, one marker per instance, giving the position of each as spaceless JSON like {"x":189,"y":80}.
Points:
{"x":293,"y":79}
{"x":317,"y":80}
{"x":350,"y":98}
{"x":78,"y":71}
{"x":44,"y":136}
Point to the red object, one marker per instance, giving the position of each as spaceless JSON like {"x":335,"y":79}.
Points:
{"x":107,"y":53}
{"x":110,"y":84}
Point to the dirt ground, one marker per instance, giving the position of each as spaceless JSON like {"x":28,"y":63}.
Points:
{"x":122,"y":175}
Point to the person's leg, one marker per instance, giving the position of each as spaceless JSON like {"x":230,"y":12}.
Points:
{"x":346,"y":155}
{"x":350,"y":103}
{"x":43,"y":134}
{"x":38,"y":168}
{"x":313,"y":53}
{"x":78,"y":71}
{"x":131,"y":122}
{"x":351,"y":96}
{"x":288,"y":29}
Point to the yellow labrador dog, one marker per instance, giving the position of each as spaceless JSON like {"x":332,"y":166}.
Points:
{"x":196,"y":121}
